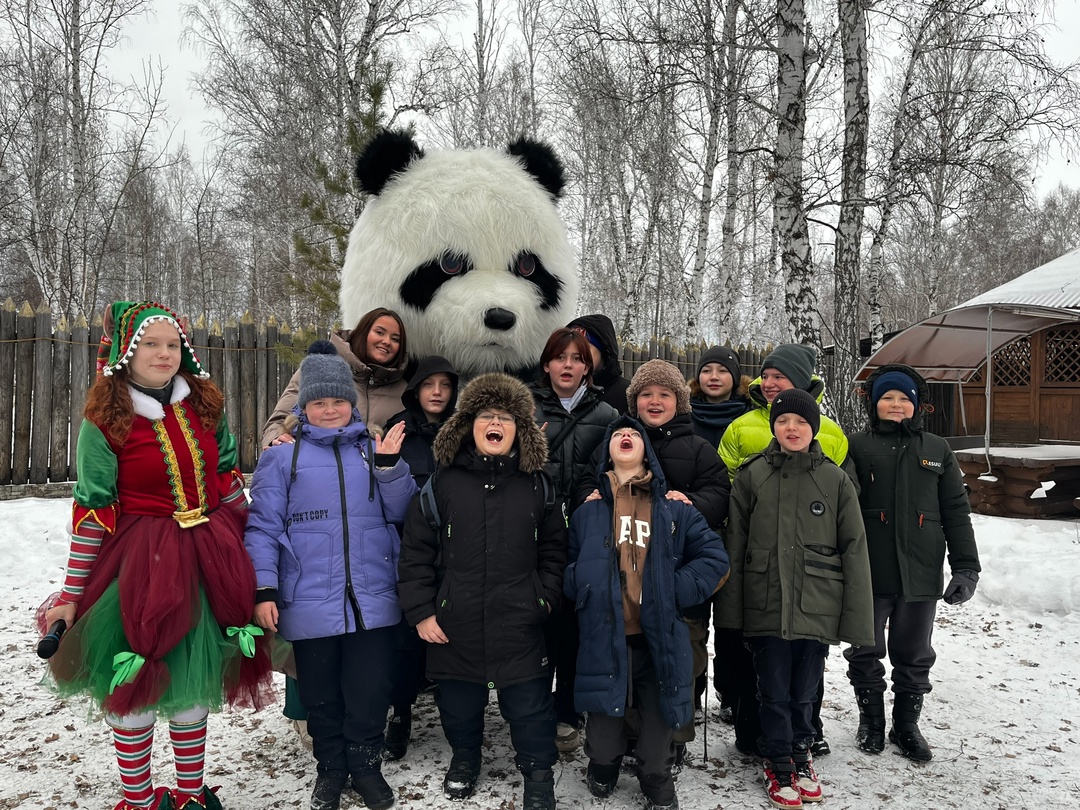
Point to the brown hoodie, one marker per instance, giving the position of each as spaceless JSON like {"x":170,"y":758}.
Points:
{"x":632,"y":530}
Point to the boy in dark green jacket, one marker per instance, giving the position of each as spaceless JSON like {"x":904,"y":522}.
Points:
{"x":800,"y":581}
{"x":916,"y":509}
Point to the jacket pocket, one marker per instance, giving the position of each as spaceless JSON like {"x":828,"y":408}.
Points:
{"x":374,"y":559}
{"x":288,"y":569}
{"x":444,"y":599}
{"x":582,"y":598}
{"x":823,"y":582}
{"x":756,"y":579}
{"x":540,"y":601}
{"x":314,"y":575}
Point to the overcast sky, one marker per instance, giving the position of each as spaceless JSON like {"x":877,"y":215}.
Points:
{"x":157,"y":36}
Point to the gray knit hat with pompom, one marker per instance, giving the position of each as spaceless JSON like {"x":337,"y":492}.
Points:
{"x":324,"y":374}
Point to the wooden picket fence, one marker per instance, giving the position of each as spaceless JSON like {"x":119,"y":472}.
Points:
{"x":47,"y":365}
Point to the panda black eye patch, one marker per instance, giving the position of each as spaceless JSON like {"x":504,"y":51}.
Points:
{"x":529,"y":267}
{"x":419,"y":288}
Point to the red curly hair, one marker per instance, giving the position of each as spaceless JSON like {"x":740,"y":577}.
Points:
{"x":109,"y":406}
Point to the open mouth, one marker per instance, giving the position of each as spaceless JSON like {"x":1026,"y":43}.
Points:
{"x":493,"y":436}
{"x":626,"y":444}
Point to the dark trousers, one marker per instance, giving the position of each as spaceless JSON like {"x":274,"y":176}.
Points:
{"x":410,"y":660}
{"x":606,"y":736}
{"x":911,"y":625}
{"x":561,"y":639}
{"x":789,"y":675}
{"x":526,"y":707}
{"x":345,"y":684}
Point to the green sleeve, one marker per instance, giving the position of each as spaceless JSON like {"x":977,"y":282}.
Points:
{"x":96,"y":468}
{"x":730,"y":449}
{"x":833,"y":441}
{"x":228,"y":457}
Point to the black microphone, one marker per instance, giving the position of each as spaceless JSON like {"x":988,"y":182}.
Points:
{"x":50,"y":642}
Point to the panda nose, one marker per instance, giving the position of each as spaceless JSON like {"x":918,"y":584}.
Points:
{"x":501,"y":319}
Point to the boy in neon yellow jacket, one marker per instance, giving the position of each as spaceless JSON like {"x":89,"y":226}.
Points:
{"x":789,"y":366}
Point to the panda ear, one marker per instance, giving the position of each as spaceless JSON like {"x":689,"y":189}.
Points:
{"x":541,"y":162}
{"x":388,"y":153}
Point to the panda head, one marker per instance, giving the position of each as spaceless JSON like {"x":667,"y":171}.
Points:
{"x":467,"y":245}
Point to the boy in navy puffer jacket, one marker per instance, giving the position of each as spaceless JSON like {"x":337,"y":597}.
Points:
{"x":637,"y":559}
{"x":324,"y":547}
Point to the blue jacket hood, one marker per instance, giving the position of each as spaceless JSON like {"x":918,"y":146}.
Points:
{"x":651,"y":460}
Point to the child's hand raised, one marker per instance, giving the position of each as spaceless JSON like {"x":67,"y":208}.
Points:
{"x":391,"y":442}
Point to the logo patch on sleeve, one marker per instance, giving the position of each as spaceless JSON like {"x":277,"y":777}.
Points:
{"x":930,"y":463}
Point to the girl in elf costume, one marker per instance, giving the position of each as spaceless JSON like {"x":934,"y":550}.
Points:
{"x":159,"y":590}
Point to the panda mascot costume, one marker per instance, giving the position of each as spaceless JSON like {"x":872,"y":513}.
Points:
{"x":468,"y":246}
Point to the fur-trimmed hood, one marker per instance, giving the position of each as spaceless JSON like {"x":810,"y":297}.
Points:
{"x":494,"y":391}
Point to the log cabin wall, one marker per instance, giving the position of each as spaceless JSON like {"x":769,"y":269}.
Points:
{"x":1036,"y":391}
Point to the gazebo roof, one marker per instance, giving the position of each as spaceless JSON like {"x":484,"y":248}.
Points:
{"x":953,"y":345}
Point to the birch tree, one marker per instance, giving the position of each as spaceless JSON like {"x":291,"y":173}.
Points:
{"x":789,"y":200}
{"x":849,"y":227}
{"x":73,"y":138}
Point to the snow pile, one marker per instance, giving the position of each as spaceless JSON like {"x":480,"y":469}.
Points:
{"x":1001,"y":719}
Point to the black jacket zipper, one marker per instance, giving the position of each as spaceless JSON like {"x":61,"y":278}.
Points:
{"x":349,"y":593}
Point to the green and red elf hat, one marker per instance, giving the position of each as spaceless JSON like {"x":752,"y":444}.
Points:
{"x":129,"y":320}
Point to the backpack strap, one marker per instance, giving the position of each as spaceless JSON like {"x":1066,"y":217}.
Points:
{"x":429,"y":506}
{"x":546,"y":489}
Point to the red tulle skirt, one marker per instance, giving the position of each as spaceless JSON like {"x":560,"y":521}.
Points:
{"x":170,"y":595}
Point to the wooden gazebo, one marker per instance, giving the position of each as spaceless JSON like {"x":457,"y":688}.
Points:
{"x":1013,"y":355}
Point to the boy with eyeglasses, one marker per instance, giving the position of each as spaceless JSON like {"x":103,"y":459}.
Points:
{"x":479,"y":583}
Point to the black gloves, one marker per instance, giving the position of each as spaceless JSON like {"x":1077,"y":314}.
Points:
{"x":961,"y":587}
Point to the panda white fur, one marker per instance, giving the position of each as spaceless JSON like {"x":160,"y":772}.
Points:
{"x":468,"y":246}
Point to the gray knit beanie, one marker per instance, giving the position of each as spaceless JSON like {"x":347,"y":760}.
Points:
{"x":324,"y":374}
{"x":658,"y":372}
{"x":794,"y":361}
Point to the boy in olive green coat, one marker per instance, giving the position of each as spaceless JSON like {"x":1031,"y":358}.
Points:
{"x":800,"y":581}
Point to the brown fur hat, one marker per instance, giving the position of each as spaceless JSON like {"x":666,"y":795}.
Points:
{"x":658,"y":372}
{"x":505,"y":393}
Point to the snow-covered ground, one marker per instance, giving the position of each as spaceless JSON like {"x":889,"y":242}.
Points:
{"x":1003,"y":719}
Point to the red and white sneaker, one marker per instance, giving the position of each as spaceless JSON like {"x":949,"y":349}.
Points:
{"x":806,"y":781}
{"x":780,"y":784}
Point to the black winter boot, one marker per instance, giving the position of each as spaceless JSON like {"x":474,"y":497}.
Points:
{"x":328,"y":786}
{"x":905,"y":733}
{"x":398,"y":732}
{"x":602,"y":779}
{"x":871,"y":734}
{"x":539,"y":790}
{"x":462,"y":775}
{"x":365,"y":768}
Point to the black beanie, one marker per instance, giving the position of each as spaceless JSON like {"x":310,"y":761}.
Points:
{"x":798,"y":402}
{"x":725,"y":357}
{"x":794,"y":361}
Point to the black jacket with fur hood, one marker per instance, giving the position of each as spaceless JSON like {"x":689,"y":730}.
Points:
{"x":493,"y":570}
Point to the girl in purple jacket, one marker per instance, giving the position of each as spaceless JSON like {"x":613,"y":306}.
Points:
{"x":325,"y":551}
